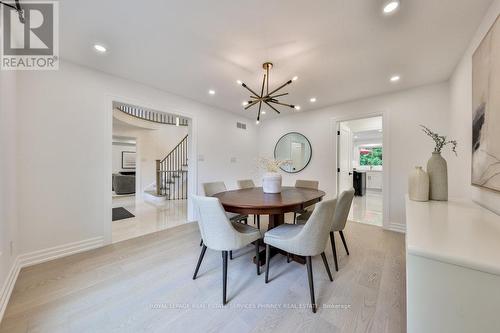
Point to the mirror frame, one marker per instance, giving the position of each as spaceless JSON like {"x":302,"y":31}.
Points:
{"x":310,"y":156}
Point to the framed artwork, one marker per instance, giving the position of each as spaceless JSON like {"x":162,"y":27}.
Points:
{"x":486,"y":111}
{"x":128,"y":159}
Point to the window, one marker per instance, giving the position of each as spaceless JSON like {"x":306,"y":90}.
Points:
{"x":370,"y":156}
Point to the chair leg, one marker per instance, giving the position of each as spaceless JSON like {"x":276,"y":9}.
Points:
{"x":258,"y":222}
{"x":245,"y":221}
{"x":268,"y":258}
{"x":311,"y":284}
{"x":294,"y":218}
{"x":201,"y":242}
{"x":200,"y":259}
{"x":230,"y":255}
{"x":288,"y":257}
{"x":334,"y":250}
{"x":323,"y":256}
{"x":224,"y":276}
{"x":257,"y":259}
{"x":343,"y":241}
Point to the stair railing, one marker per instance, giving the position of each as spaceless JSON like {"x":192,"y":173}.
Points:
{"x":172,"y":173}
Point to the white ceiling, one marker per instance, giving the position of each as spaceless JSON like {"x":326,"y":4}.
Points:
{"x":340,"y":49}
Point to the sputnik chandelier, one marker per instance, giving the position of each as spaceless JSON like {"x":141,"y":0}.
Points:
{"x":270,"y":98}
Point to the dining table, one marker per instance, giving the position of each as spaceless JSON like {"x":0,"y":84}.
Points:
{"x":254,"y":201}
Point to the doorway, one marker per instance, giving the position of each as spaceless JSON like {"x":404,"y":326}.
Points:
{"x":151,"y":193}
{"x":360,"y":162}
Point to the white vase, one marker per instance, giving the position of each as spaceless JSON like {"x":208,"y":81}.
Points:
{"x":438,"y":177}
{"x":271,"y":182}
{"x":418,"y":185}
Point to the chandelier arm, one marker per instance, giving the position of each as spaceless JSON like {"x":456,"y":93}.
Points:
{"x":251,"y":104}
{"x":272,"y":107}
{"x":260,"y":107}
{"x":280,"y":87}
{"x":253,"y":92}
{"x":276,"y":102}
{"x":263,"y":85}
{"x":275,"y":96}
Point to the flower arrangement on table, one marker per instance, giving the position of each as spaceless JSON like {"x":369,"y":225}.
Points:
{"x":271,"y":181}
{"x":271,"y":164}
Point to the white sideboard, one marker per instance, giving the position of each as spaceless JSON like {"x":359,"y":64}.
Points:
{"x":452,"y":267}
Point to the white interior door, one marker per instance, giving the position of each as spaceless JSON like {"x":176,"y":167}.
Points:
{"x":344,"y":159}
{"x":297,"y":154}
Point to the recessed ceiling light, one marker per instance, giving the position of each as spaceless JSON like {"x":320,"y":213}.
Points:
{"x":100,"y":48}
{"x":257,"y":122}
{"x":395,"y":78}
{"x":312,"y":100}
{"x":245,"y":103}
{"x":391,"y":6}
{"x":211,"y":92}
{"x":263,"y":112}
{"x":295,"y":78}
{"x":355,"y":136}
{"x":297,"y":107}
{"x":380,"y":130}
{"x":239,"y":82}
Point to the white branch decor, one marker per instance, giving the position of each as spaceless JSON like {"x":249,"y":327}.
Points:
{"x":271,"y":164}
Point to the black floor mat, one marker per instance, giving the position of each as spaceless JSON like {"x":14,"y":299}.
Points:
{"x":121,"y":213}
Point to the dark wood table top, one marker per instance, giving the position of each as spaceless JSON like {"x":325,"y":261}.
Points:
{"x":255,"y":201}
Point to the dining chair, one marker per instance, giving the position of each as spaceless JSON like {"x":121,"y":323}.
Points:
{"x":221,"y":234}
{"x":216,"y":187}
{"x":248,"y":183}
{"x":307,"y":240}
{"x":304,"y":214}
{"x":344,"y":202}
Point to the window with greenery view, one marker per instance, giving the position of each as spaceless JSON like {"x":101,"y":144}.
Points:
{"x":370,"y":156}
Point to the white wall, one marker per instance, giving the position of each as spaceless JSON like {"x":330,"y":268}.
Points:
{"x":408,"y":146}
{"x":461,"y":120}
{"x":61,"y":183}
{"x":8,"y":212}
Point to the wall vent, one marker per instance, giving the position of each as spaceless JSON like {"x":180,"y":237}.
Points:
{"x":241,"y":125}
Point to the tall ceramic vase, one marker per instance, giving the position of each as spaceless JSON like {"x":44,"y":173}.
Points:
{"x":418,"y":185}
{"x":438,"y":177}
{"x":271,"y":182}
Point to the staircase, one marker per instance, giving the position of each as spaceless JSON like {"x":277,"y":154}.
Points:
{"x":172,"y":173}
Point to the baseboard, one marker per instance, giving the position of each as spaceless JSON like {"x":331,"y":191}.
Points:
{"x":37,"y":257}
{"x":8,"y":286}
{"x":397,"y":227}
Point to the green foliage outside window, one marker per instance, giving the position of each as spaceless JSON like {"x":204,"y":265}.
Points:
{"x":370,"y":156}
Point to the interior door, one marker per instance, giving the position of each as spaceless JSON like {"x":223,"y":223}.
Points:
{"x":344,"y":158}
{"x":297,"y":154}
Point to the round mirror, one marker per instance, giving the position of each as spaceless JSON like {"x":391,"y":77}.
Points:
{"x":293,"y":147}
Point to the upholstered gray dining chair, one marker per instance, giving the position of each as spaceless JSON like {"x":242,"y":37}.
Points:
{"x":216,"y":187}
{"x":344,"y":202}
{"x":305,"y":240}
{"x":305,"y":213}
{"x":248,"y":183}
{"x":220,"y":234}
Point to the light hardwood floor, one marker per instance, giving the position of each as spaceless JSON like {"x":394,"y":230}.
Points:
{"x":145,"y":284}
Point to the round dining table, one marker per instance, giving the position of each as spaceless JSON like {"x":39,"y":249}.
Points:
{"x":255,"y":201}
